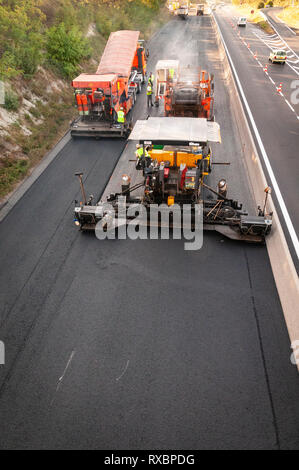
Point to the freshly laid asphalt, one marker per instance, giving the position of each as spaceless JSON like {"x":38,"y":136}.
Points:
{"x":139,"y":344}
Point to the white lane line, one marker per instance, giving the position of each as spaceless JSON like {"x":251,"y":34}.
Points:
{"x":272,"y":80}
{"x":67,"y":366}
{"x":123,"y":372}
{"x":60,"y":380}
{"x":274,"y":182}
{"x":289,"y":105}
{"x":293,"y":32}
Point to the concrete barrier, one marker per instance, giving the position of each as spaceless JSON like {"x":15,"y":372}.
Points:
{"x":283,"y":268}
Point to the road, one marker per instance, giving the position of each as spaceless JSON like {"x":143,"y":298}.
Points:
{"x":140,"y":345}
{"x":281,"y":28}
{"x":275,"y":114}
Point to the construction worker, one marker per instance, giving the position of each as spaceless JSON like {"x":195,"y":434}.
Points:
{"x":143,"y":157}
{"x":149,"y":94}
{"x":171,"y":74}
{"x":121,"y":117}
{"x":151,"y":78}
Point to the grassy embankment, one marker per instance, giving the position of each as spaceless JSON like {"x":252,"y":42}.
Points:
{"x":290,"y":15}
{"x":44,"y":44}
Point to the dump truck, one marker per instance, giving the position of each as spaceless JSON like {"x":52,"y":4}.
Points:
{"x":115,"y":85}
{"x":174,"y":170}
{"x":182,"y":12}
{"x":196,"y":9}
{"x":186,"y":91}
{"x":200,"y":9}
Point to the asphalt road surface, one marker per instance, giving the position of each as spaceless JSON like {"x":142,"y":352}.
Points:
{"x":276,"y":115}
{"x":287,"y":33}
{"x":140,"y":345}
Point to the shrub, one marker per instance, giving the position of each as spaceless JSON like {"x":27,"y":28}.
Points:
{"x":12,"y":102}
{"x":29,"y":57}
{"x":35,"y":112}
{"x":66,"y":48}
{"x":261,"y":5}
{"x":10,"y":172}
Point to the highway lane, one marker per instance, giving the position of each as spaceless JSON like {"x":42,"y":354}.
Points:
{"x":277,"y":123}
{"x":136,"y":345}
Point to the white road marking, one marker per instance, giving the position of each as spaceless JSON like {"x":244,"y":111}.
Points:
{"x":272,"y":80}
{"x":124,"y":371}
{"x":67,"y":366}
{"x":283,"y":40}
{"x":293,"y":32}
{"x":63,"y":375}
{"x":290,"y":106}
{"x":274,"y":182}
{"x":287,"y":62}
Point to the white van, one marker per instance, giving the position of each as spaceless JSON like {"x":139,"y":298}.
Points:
{"x":242,"y":21}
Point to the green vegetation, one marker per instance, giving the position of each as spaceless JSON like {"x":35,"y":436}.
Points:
{"x":12,"y":101}
{"x":126,"y":14}
{"x":11,"y":171}
{"x":51,"y":32}
{"x":66,"y":48}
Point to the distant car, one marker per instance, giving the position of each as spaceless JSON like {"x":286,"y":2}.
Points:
{"x":242,"y":21}
{"x":278,"y":56}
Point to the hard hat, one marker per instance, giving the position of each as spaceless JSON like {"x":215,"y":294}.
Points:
{"x":121,"y":108}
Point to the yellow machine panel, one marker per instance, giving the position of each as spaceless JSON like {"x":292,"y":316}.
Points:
{"x":188,"y":158}
{"x":162,"y":156}
{"x":175,"y":158}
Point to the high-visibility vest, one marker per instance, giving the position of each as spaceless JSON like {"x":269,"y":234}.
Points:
{"x":139,"y":153}
{"x":79,"y":104}
{"x":149,"y":90}
{"x":84,"y":104}
{"x":171,"y":73}
{"x":120,"y":116}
